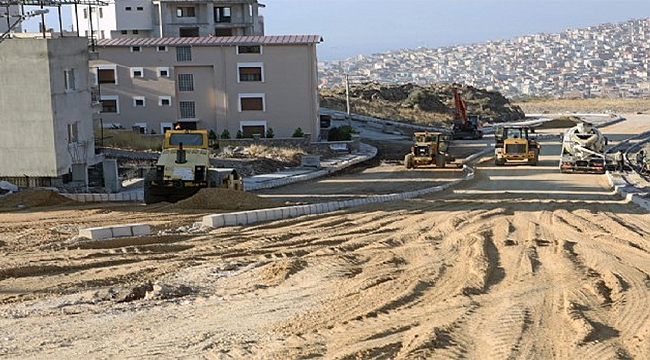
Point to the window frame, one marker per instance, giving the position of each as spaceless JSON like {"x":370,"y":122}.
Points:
{"x":239,"y":48}
{"x":259,"y":65}
{"x":139,"y":98}
{"x":106,"y":67}
{"x":161,"y":69}
{"x":186,"y":84}
{"x":136,"y":48}
{"x":180,"y":109}
{"x":69,"y":82}
{"x":181,"y":11}
{"x":188,"y":52}
{"x":137,"y":69}
{"x":73,"y":132}
{"x":161,"y":98}
{"x":161,"y":48}
{"x":251,"y":96}
{"x":116,"y":98}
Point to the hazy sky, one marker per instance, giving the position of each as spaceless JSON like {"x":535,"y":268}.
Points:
{"x":351,"y":27}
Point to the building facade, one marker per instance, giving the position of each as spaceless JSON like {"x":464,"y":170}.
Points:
{"x":171,"y":18}
{"x":46,"y":107}
{"x":238,"y":83}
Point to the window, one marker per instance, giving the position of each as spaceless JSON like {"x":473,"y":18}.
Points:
{"x":188,"y":109}
{"x":188,"y":32}
{"x":110,"y":104}
{"x":140,"y":8}
{"x":161,"y":48}
{"x":138,"y":101}
{"x":185,"y":82}
{"x":102,"y":35}
{"x":85,"y":13}
{"x":135,"y":49}
{"x":250,"y":128}
{"x":251,"y":102}
{"x":183,"y":53}
{"x":73,"y":133}
{"x":69,"y":80}
{"x":128,"y":8}
{"x":137,"y":72}
{"x":250,"y":72}
{"x":106,"y":75}
{"x":249,"y":49}
{"x":185,"y":11}
{"x":135,"y":32}
{"x":222,"y":32}
{"x":163,"y":72}
{"x":123,"y":32}
{"x":140,"y":127}
{"x":222,"y":15}
{"x":101,"y":13}
{"x":164,"y":101}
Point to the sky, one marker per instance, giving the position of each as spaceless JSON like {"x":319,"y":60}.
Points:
{"x":353,"y":27}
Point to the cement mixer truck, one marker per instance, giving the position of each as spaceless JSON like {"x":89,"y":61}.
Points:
{"x":583,"y":149}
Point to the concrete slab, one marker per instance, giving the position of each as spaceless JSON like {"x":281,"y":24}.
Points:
{"x":98,"y":233}
{"x":121,"y":230}
{"x":140,"y":229}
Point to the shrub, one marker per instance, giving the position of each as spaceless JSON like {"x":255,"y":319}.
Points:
{"x":239,"y":135}
{"x":342,"y":133}
{"x":269,"y":133}
{"x":225,"y":134}
{"x":298,"y":133}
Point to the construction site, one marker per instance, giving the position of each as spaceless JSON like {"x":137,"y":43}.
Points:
{"x":464,"y":238}
{"x":483,"y":262}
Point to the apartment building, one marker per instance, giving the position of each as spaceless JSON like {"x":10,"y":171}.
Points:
{"x":171,"y":18}
{"x":236,"y":83}
{"x":46,"y":112}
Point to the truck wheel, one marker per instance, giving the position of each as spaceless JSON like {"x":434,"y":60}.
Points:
{"x":440,"y":161}
{"x":149,"y":192}
{"x":499,"y":162}
{"x":534,"y":160}
{"x":408,"y":161}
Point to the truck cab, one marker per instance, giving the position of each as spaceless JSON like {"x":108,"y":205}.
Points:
{"x":515,"y":143}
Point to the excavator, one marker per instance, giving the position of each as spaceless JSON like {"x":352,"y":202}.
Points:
{"x":465,"y":126}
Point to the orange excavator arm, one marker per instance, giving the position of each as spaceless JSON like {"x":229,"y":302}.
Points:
{"x":461,"y":111}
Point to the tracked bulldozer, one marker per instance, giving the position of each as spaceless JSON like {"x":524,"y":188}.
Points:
{"x":183,"y":168}
{"x":515,"y":144}
{"x":429,"y":148}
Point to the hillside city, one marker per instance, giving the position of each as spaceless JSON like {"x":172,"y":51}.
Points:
{"x":608,"y":60}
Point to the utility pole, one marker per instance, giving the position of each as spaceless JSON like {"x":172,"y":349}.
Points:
{"x":347,"y":99}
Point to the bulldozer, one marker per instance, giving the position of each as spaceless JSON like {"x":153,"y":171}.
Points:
{"x":183,"y":169}
{"x":429,"y":148}
{"x":515,"y":143}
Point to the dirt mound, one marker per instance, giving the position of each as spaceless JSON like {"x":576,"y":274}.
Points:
{"x":225,"y":199}
{"x":282,"y":270}
{"x":32,"y":198}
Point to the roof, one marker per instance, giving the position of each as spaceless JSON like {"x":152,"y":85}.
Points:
{"x":213,"y":41}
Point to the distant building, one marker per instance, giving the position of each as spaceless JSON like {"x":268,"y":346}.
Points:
{"x":46,"y":112}
{"x":7,"y":21}
{"x":171,"y":18}
{"x":237,"y":83}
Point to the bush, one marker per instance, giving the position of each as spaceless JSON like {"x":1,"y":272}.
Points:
{"x":225,"y":134}
{"x":298,"y":133}
{"x":269,"y":133}
{"x":239,"y":135}
{"x":342,"y":133}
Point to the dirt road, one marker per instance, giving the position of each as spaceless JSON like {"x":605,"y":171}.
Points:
{"x":523,"y":262}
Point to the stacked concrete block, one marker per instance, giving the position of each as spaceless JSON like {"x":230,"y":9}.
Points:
{"x":107,"y":232}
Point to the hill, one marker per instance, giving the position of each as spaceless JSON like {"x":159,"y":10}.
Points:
{"x":420,"y":104}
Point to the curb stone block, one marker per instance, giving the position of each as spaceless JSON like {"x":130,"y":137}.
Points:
{"x":251,"y":217}
{"x":241,"y":218}
{"x":214,"y":220}
{"x":230,"y":219}
{"x":140,"y":229}
{"x":121,"y":230}
{"x":98,"y":233}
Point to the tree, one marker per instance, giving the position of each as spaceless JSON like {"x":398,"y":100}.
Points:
{"x":298,"y":133}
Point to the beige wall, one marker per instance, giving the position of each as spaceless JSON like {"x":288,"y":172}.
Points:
{"x":289,"y":87}
{"x":36,"y":108}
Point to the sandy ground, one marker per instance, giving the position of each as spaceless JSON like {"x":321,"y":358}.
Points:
{"x":522,"y":262}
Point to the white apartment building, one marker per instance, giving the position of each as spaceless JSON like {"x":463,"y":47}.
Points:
{"x":46,"y":112}
{"x":171,"y":18}
{"x":235,"y":83}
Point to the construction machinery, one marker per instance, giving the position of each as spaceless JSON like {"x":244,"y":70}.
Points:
{"x":183,"y":168}
{"x":465,"y":126}
{"x":429,"y":148}
{"x":515,"y":144}
{"x":583,"y":149}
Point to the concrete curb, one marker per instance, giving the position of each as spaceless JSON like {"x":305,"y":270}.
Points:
{"x":107,"y":232}
{"x":254,"y":216}
{"x":371,"y":152}
{"x":119,"y":197}
{"x":627,"y":191}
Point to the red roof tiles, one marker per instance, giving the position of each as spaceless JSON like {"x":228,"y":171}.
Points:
{"x":213,"y":40}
